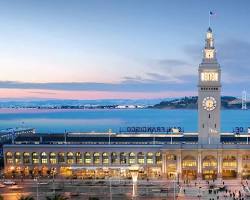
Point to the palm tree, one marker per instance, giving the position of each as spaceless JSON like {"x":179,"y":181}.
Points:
{"x":26,"y":198}
{"x":57,"y":197}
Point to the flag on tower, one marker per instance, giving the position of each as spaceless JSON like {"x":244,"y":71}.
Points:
{"x":211,"y":13}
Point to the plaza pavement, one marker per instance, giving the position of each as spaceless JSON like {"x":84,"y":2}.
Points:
{"x":122,"y":189}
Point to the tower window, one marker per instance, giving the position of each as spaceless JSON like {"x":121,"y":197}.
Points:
{"x":214,"y":125}
{"x":209,"y":116}
{"x":203,"y":126}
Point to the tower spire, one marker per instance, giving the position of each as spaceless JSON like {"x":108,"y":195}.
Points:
{"x":209,"y":50}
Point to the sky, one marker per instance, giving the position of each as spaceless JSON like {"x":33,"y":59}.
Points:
{"x":94,"y":49}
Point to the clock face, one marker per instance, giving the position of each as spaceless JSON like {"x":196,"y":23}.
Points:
{"x":209,"y":103}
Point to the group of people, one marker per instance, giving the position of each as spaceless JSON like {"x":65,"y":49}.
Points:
{"x":219,"y":193}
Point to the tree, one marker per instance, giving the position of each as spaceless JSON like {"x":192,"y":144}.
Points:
{"x":26,"y":198}
{"x":57,"y":197}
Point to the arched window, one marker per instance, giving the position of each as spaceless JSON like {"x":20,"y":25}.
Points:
{"x":9,"y":158}
{"x":158,"y":158}
{"x":140,"y":158}
{"x":17,"y":158}
{"x":35,"y":158}
{"x":70,"y":158}
{"x":26,"y":158}
{"x":44,"y":158}
{"x":52,"y":158}
{"x":209,"y":161}
{"x":61,"y":158}
{"x":189,"y":161}
{"x":171,"y":157}
{"x":114,"y":158}
{"x":105,"y":158}
{"x":131,"y":158}
{"x":78,"y":158}
{"x":229,"y":161}
{"x":87,"y":158}
{"x":150,"y":158}
{"x":96,"y":158}
{"x":123,"y":158}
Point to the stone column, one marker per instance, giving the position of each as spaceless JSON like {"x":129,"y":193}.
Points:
{"x":119,"y":159}
{"x":179,"y":164}
{"x":219,"y":165}
{"x":109,"y":159}
{"x":199,"y":167}
{"x":145,"y":158}
{"x":239,"y":165}
{"x":164,"y":164}
{"x":154,"y":159}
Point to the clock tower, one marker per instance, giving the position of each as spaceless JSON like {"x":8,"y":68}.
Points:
{"x":209,"y":94}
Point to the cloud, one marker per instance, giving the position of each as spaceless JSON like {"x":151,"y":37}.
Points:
{"x":126,"y":86}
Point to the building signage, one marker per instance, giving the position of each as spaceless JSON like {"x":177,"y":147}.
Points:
{"x":239,"y":130}
{"x":150,"y":129}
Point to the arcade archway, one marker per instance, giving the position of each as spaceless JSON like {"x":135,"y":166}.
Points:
{"x":209,"y":168}
{"x":189,"y":168}
{"x":229,"y":165}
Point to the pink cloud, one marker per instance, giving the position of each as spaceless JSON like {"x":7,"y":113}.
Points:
{"x":59,"y":94}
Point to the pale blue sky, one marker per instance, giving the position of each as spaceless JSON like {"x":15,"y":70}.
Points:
{"x":151,"y":47}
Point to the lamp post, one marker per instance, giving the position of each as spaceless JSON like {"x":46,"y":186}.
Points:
{"x":175,"y":179}
{"x":53,"y":174}
{"x":36,"y":180}
{"x":134,"y":169}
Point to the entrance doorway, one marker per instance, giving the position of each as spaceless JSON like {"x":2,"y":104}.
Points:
{"x":189,"y":174}
{"x":229,"y":174}
{"x":209,"y":174}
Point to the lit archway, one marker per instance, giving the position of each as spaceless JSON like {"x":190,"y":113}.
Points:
{"x":209,"y":168}
{"x":189,"y":168}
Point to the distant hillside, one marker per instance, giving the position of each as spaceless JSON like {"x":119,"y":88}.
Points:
{"x":227,"y":102}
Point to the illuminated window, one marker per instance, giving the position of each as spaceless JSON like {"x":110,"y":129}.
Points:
{"x":35,"y":158}
{"x":158,"y":158}
{"x":209,"y":161}
{"x":171,"y":157}
{"x":140,"y":158}
{"x":79,"y":158}
{"x":26,"y":158}
{"x":87,"y":158}
{"x":61,"y":158}
{"x":70,"y":158}
{"x":229,"y":161}
{"x":209,"y":76}
{"x":96,"y":158}
{"x":44,"y":158}
{"x":17,"y":158}
{"x":131,"y":158}
{"x":246,"y":157}
{"x":9,"y":158}
{"x":189,"y":161}
{"x":105,"y":158}
{"x":52,"y":158}
{"x":150,"y":158}
{"x":123,"y":158}
{"x":114,"y":158}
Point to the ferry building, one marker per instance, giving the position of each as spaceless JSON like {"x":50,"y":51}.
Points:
{"x":157,"y":152}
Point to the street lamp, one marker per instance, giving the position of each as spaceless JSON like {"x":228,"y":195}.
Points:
{"x":36,"y":180}
{"x":53,"y":174}
{"x":134,"y":169}
{"x":175,"y":179}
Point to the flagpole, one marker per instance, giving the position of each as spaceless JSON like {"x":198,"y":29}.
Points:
{"x":209,"y":19}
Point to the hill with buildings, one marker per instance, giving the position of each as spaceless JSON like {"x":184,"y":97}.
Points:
{"x":227,"y":102}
